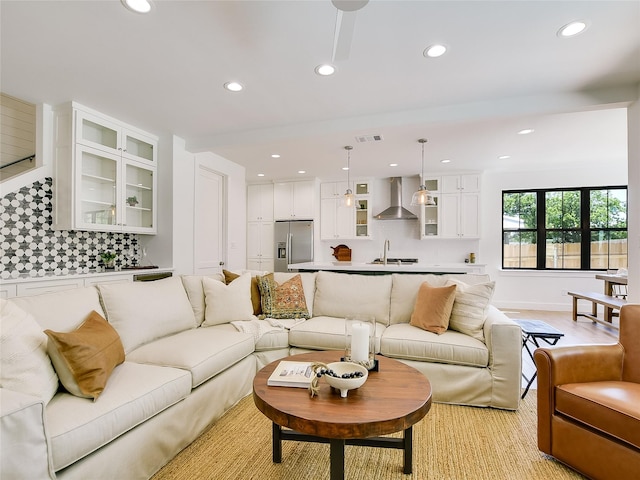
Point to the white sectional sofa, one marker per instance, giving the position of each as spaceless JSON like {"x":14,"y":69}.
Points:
{"x":185,"y":366}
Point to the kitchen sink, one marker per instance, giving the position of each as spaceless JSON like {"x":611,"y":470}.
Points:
{"x":396,"y":261}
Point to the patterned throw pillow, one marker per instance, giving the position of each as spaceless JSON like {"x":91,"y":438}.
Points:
{"x":282,"y":301}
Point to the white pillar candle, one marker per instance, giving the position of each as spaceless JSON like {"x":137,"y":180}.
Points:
{"x":360,"y":342}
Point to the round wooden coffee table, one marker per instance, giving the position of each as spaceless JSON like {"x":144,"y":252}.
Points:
{"x":392,"y":399}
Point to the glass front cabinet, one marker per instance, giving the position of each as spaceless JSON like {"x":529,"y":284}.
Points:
{"x":456,"y":211}
{"x":338,"y":221}
{"x":105,"y":174}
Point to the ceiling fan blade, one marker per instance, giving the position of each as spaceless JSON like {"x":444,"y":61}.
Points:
{"x":345,"y":24}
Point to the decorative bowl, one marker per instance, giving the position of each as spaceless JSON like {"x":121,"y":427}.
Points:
{"x":346,"y":384}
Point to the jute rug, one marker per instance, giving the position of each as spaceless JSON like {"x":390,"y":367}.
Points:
{"x":450,"y":443}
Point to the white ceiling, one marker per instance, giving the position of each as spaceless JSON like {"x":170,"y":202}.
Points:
{"x":506,"y":69}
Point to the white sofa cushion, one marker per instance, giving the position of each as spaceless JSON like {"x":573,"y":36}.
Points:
{"x":25,"y":365}
{"x":144,"y":311}
{"x":195,"y":291}
{"x":324,"y":333}
{"x":275,"y":339}
{"x":204,"y":351}
{"x":227,"y":303}
{"x":25,"y":452}
{"x":411,"y":343}
{"x":345,"y":295}
{"x":404,"y":291}
{"x":61,"y":311}
{"x":136,"y":392}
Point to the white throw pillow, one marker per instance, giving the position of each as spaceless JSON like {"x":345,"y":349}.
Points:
{"x":25,"y":366}
{"x":227,"y":303}
{"x":471,"y":307}
{"x":143,"y":311}
{"x":195,"y":292}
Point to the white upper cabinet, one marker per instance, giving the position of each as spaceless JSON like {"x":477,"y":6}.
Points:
{"x":294,"y":200}
{"x":260,"y":203}
{"x":460,"y":183}
{"x":112,"y":137}
{"x":456,"y":213}
{"x":104,"y":173}
{"x":340,"y":222}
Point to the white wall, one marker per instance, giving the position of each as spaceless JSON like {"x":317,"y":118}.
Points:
{"x":530,"y":289}
{"x":184,"y":164}
{"x":634,"y":200}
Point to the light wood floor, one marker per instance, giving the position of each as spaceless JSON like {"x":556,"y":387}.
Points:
{"x":582,"y":332}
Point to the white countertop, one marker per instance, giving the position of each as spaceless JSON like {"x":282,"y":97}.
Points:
{"x":22,"y":278}
{"x":371,"y":267}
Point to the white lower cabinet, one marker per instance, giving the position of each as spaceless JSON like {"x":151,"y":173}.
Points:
{"x":49,"y":286}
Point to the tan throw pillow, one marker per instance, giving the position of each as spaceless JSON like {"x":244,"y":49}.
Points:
{"x":433,"y":308}
{"x":471,"y":307}
{"x":25,"y":366}
{"x":85,"y":358}
{"x":282,"y":301}
{"x":255,"y":291}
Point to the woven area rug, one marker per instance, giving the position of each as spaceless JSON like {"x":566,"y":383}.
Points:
{"x":450,"y":443}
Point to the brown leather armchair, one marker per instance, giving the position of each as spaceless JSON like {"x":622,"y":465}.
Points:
{"x":589,"y":403}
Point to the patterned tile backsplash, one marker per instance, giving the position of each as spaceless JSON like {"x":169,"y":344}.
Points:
{"x":30,"y":248}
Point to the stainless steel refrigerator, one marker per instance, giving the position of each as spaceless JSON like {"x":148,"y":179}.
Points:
{"x":293,"y":241}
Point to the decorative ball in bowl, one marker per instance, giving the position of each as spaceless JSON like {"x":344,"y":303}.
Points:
{"x":355,"y":377}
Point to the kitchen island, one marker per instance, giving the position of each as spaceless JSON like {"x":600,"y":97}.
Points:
{"x":382,"y":269}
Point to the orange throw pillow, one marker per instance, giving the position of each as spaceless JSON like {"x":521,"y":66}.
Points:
{"x":85,"y":358}
{"x":433,"y":308}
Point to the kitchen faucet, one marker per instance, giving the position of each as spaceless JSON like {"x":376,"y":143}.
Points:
{"x":386,"y":247}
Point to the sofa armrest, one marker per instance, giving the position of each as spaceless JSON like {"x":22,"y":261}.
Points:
{"x":571,"y":364}
{"x":24,"y":446}
{"x":503,"y":337}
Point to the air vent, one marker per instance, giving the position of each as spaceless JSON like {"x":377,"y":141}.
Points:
{"x":369,"y":138}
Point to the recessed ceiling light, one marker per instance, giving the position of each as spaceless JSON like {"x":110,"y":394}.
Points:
{"x":302,"y":171}
{"x":138,"y":6}
{"x":526,"y":131}
{"x":393,"y":164}
{"x":325,"y":70}
{"x":445,"y":161}
{"x":504,"y":157}
{"x":434,"y":51}
{"x":571,"y":29}
{"x":275,"y":155}
{"x":261,"y":174}
{"x":345,"y":168}
{"x":233,"y":86}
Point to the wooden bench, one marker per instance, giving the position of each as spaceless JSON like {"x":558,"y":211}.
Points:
{"x":609,"y":302}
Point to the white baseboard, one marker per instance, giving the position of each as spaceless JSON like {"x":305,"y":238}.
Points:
{"x":550,"y":307}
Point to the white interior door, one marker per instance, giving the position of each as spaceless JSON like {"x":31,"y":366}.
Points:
{"x":208,"y":221}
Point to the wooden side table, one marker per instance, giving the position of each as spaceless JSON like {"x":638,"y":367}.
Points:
{"x":392,"y":399}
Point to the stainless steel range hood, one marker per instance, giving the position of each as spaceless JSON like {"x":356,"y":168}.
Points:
{"x":396,"y":211}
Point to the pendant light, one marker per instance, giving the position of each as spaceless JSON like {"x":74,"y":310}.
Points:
{"x":422,"y":196}
{"x":349,"y":198}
